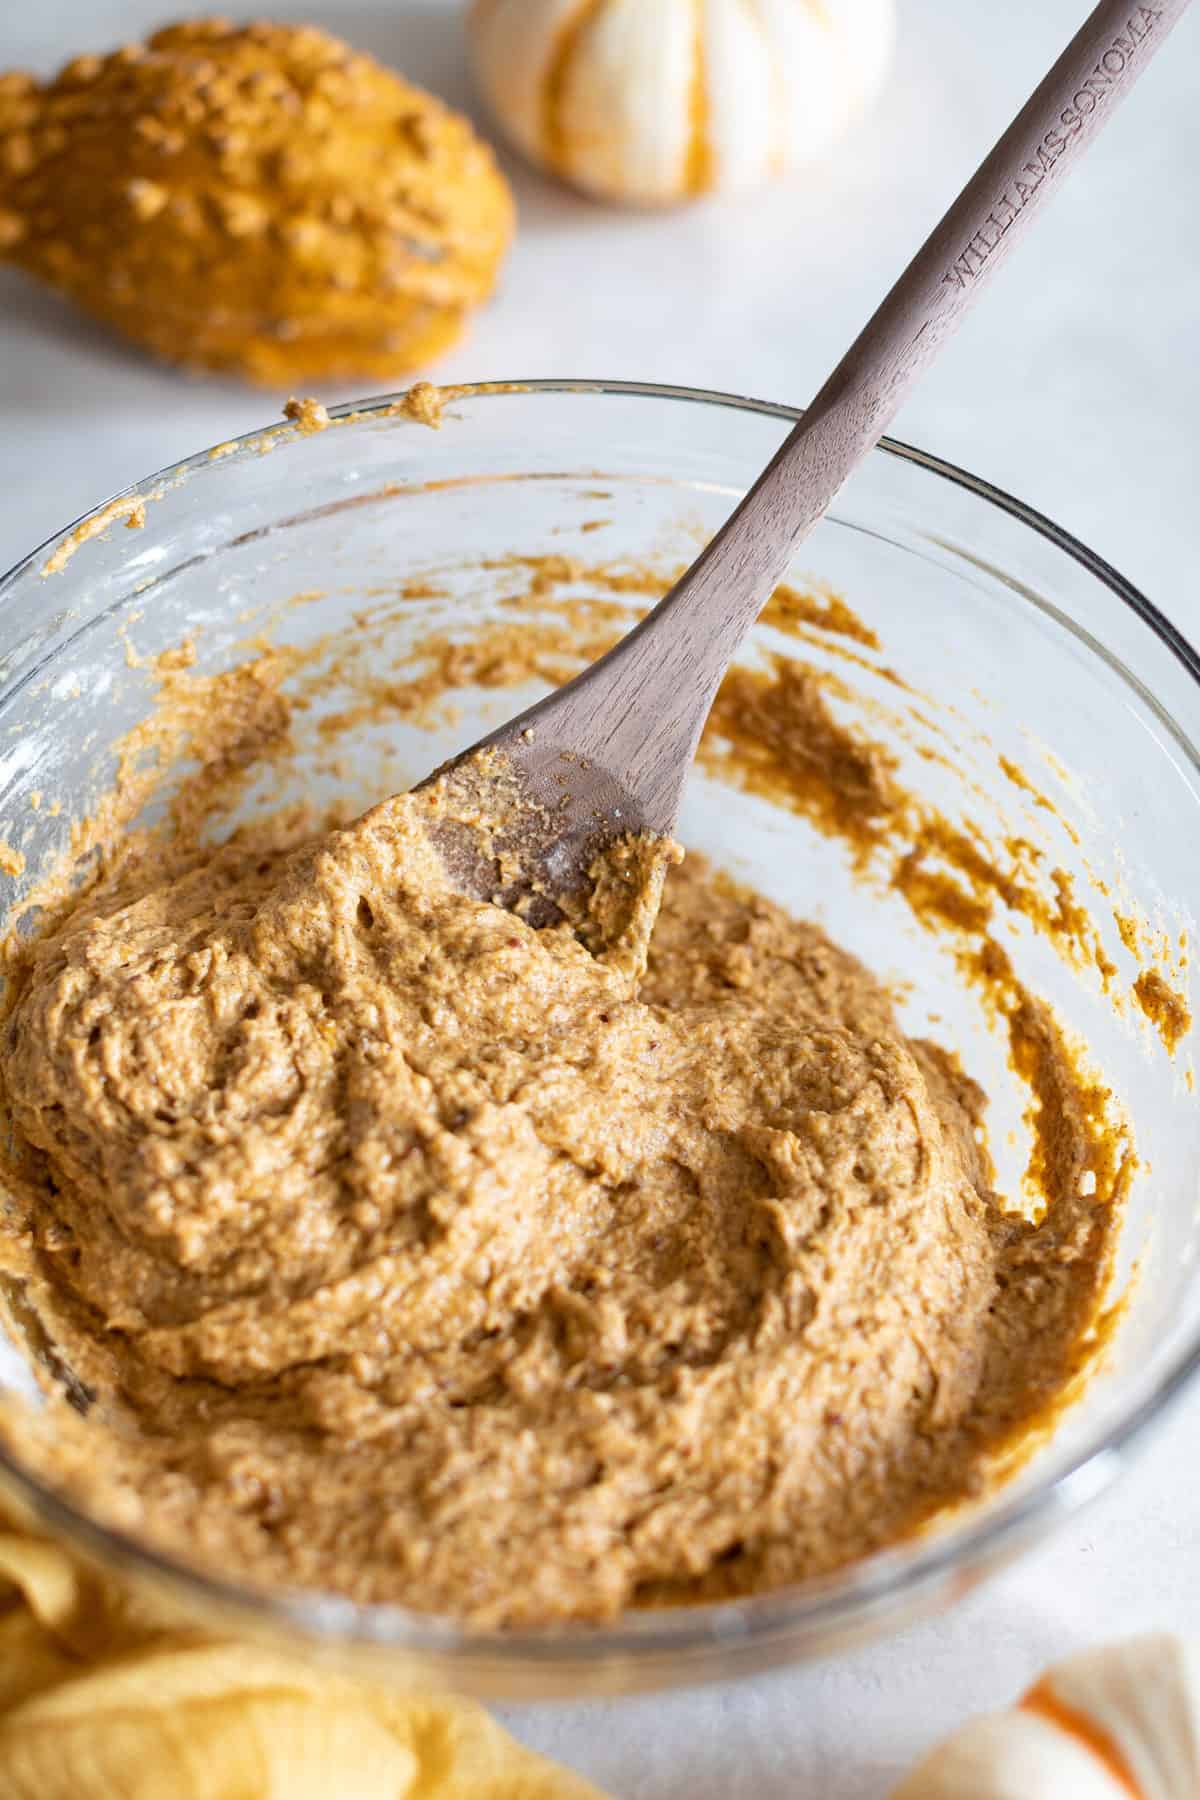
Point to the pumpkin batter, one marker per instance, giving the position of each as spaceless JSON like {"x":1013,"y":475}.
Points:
{"x":414,"y":1254}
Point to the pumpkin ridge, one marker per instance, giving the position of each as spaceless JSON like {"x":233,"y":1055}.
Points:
{"x":1044,"y":1703}
{"x":558,"y":64}
{"x":698,"y":171}
{"x":779,"y":100}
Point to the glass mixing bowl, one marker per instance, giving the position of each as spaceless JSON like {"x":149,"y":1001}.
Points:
{"x":1021,"y":650}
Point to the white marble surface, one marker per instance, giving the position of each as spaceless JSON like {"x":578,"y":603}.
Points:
{"x":1077,"y":386}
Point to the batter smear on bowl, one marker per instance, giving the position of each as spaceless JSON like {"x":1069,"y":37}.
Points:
{"x":402,"y":1250}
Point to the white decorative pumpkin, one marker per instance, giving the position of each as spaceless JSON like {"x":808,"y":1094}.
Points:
{"x":1115,"y":1724}
{"x":654,"y":101}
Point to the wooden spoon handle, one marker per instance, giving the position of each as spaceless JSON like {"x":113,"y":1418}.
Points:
{"x":628,"y":726}
{"x":725,"y":590}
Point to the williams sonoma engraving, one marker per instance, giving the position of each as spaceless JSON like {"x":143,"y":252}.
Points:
{"x":1020,"y":191}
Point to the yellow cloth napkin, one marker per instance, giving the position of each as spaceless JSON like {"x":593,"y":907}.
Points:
{"x":98,"y":1701}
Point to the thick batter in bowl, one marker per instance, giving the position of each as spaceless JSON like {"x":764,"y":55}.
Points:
{"x":894,"y":758}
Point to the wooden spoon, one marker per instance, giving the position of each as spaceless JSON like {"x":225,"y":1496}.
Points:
{"x":608,"y":754}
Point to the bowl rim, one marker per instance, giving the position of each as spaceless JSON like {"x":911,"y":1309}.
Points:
{"x":824,"y":1604}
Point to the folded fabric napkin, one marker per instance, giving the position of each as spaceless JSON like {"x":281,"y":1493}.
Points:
{"x":99,"y":1701}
